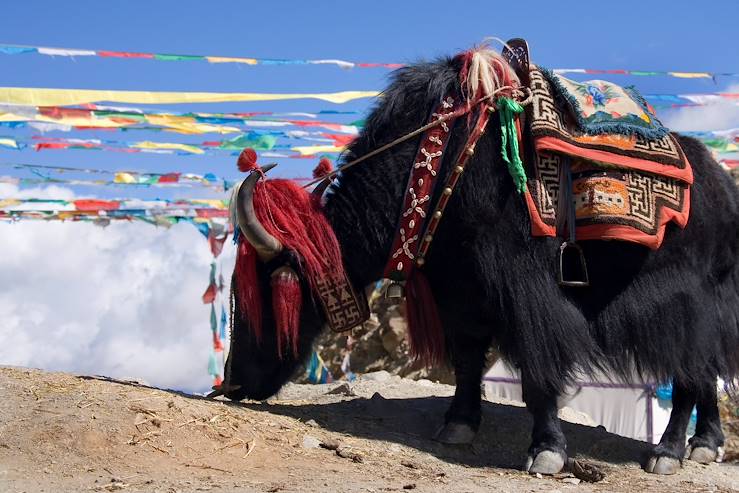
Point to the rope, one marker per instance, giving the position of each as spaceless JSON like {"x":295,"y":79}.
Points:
{"x":455,"y":114}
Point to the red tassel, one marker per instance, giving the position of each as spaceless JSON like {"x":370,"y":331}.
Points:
{"x":247,"y":284}
{"x":425,"y":333}
{"x":286,"y":303}
{"x":324,"y":167}
{"x":247,"y":160}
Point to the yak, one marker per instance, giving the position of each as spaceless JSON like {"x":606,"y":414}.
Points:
{"x":670,"y":314}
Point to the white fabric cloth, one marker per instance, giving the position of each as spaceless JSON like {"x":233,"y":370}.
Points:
{"x":623,"y":409}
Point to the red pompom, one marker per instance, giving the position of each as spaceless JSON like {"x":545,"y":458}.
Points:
{"x":324,"y":167}
{"x":247,"y":160}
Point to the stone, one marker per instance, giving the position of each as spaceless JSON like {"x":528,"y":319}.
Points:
{"x":343,"y":389}
{"x":377,"y":376}
{"x":310,"y":442}
{"x":393,"y":334}
{"x":394,"y":448}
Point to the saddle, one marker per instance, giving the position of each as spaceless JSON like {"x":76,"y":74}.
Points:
{"x":599,"y":163}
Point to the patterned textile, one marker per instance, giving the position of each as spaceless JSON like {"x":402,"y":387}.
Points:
{"x":625,"y":187}
{"x":602,"y":107}
{"x":344,"y":307}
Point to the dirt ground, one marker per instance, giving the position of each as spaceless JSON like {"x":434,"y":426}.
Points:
{"x":60,"y":432}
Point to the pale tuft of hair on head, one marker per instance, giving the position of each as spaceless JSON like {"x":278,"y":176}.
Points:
{"x":488,"y":71}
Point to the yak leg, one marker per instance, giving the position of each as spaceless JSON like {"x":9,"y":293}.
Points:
{"x":547,"y":453}
{"x":462,"y":420}
{"x":708,"y":439}
{"x":667,"y":455}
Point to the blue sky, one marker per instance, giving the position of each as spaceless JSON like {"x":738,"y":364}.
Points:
{"x":653,"y":35}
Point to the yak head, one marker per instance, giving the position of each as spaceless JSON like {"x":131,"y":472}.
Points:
{"x":285,"y":248}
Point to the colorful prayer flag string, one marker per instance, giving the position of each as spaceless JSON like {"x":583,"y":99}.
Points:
{"x":9,"y":49}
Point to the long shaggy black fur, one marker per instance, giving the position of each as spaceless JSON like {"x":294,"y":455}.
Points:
{"x":666,"y":314}
{"x":670,"y":313}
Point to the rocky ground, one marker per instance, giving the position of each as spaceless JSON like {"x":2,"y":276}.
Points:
{"x":379,"y":344}
{"x":729,"y":407}
{"x":61,"y":432}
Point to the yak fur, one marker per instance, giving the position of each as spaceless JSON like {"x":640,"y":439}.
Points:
{"x":669,"y":314}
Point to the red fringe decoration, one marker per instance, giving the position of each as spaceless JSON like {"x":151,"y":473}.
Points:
{"x":425,"y":333}
{"x":247,"y":285}
{"x":287,"y":212}
{"x":324,"y":167}
{"x":286,"y":303}
{"x":247,"y":160}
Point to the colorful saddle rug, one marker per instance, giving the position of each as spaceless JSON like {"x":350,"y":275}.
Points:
{"x":630,"y":177}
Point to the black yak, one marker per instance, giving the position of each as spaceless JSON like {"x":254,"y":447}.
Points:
{"x":670,"y":314}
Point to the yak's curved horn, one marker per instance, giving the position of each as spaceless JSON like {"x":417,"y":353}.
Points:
{"x":266,"y":245}
{"x":321,"y":188}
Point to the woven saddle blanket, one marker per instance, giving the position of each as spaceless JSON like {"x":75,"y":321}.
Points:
{"x":630,"y":177}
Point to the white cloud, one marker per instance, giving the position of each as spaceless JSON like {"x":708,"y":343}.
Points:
{"x":716,"y":116}
{"x":122,"y":301}
{"x":8,"y":190}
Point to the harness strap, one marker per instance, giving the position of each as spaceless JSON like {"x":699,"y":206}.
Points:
{"x":419,"y":190}
{"x":573,"y":268}
{"x":468,"y":151}
{"x":417,"y":224}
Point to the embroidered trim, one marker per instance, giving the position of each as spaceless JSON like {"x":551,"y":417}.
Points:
{"x":419,"y":190}
{"x":467,"y":151}
{"x":417,"y":226}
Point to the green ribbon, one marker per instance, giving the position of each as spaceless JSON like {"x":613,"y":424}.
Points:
{"x":508,"y":110}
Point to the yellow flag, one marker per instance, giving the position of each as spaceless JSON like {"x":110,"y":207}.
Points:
{"x":225,"y":59}
{"x":168,"y":145}
{"x":310,"y":150}
{"x":691,"y":75}
{"x":31,"y":96}
{"x":124,"y":178}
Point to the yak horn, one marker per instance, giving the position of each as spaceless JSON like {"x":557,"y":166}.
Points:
{"x":266,"y":245}
{"x":321,"y":188}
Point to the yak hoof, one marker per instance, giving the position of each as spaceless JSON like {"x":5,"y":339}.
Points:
{"x":455,"y":434}
{"x":703,"y":455}
{"x":662,"y":465}
{"x":545,"y":462}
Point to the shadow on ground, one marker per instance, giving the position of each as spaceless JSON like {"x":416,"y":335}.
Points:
{"x":502,"y":441}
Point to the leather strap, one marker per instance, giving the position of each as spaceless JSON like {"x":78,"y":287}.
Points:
{"x":419,"y":190}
